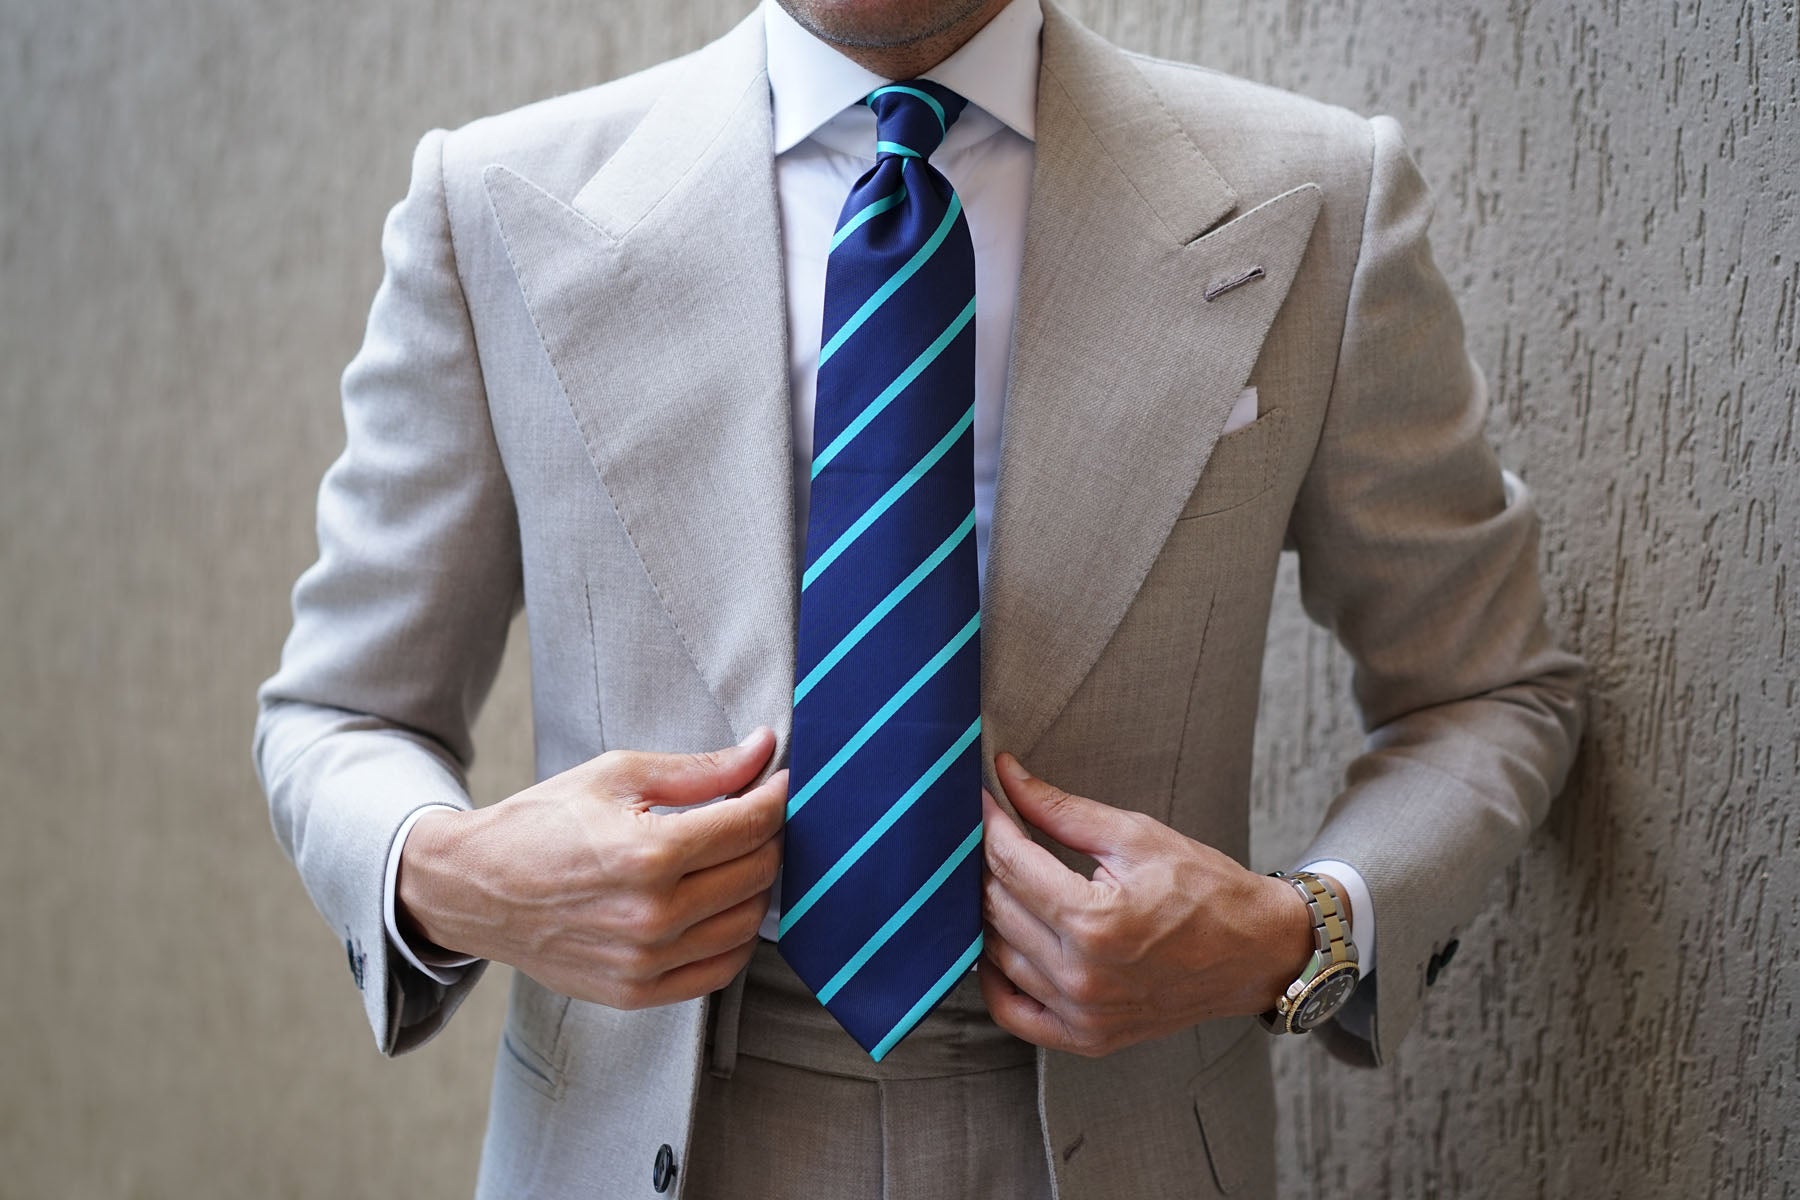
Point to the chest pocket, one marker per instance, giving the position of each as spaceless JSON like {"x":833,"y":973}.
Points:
{"x":1243,"y":465}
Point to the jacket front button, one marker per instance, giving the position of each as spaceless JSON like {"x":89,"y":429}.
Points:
{"x":662,"y":1176}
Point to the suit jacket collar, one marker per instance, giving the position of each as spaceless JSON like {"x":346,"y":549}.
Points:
{"x":657,"y":290}
{"x":1122,"y":372}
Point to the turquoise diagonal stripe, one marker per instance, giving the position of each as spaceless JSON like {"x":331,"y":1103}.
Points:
{"x":927,"y":97}
{"x":887,"y":605}
{"x":895,"y":811}
{"x":901,"y":382}
{"x":931,"y":997}
{"x":900,"y":488}
{"x":880,"y":297}
{"x":869,"y":211}
{"x":873,"y":725}
{"x":880,"y":937}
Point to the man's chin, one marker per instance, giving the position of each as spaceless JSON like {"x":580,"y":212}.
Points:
{"x":880,"y":24}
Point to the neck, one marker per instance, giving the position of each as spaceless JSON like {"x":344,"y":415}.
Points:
{"x":908,"y":59}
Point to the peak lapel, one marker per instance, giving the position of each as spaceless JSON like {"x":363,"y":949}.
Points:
{"x":1123,"y":373}
{"x":658,"y":295}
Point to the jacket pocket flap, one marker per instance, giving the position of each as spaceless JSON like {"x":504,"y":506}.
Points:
{"x":1241,"y":467}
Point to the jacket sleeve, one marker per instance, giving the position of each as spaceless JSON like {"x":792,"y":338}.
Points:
{"x":400,"y":624}
{"x":1421,"y":555}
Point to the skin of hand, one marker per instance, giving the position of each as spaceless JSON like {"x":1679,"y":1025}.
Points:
{"x":575,"y":882}
{"x":1169,"y":932}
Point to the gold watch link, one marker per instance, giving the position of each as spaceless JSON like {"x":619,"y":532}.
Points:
{"x":1330,"y":975}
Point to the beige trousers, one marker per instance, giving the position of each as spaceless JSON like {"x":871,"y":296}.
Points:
{"x":792,"y":1107}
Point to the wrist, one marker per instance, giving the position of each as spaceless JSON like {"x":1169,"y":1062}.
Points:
{"x":1331,"y":973}
{"x":420,"y":907}
{"x":1289,"y":938}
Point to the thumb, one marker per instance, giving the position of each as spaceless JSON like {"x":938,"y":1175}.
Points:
{"x":1097,"y":830}
{"x":676,"y":780}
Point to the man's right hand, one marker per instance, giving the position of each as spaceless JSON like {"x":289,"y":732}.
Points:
{"x":578,"y":884}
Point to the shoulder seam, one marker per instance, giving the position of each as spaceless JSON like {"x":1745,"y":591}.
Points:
{"x":462,"y":289}
{"x":1362,"y":239}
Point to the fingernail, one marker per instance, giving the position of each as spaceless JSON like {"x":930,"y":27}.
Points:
{"x":1013,"y":768}
{"x":752,"y":736}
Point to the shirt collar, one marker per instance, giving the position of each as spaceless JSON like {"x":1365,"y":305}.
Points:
{"x":811,"y":82}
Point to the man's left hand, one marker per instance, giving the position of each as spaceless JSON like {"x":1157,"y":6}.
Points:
{"x":1167,"y":933}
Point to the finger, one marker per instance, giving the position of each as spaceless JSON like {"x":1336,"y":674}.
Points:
{"x":719,"y":933}
{"x":1024,"y":974}
{"x":1047,"y":889}
{"x":988,"y":802}
{"x":703,"y":893}
{"x":1019,"y":925}
{"x":696,"y":978}
{"x":705,"y":837}
{"x":1018,"y":1012}
{"x":641,"y":779}
{"x":1081,"y":824}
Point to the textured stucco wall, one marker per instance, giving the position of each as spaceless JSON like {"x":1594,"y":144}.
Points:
{"x":190,"y":197}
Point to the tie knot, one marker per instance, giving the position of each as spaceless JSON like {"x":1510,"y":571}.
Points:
{"x":912,"y":117}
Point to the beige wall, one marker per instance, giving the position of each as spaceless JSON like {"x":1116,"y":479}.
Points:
{"x":190,"y":197}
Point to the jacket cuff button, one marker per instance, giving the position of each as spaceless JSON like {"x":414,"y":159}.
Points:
{"x":662,"y":1175}
{"x":1439,"y":961}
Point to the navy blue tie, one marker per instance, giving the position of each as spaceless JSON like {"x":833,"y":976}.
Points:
{"x":881,"y":877}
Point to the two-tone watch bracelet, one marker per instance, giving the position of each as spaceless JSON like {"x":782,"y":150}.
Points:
{"x":1331,"y":974}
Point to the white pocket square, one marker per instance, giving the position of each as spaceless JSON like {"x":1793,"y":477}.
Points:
{"x":1243,"y":412}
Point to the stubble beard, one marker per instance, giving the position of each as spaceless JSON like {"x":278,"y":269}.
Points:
{"x":851,"y":24}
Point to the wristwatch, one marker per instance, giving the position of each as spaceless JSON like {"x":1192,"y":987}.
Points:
{"x":1331,"y":975}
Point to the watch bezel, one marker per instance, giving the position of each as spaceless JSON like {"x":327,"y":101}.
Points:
{"x":1291,"y":1007}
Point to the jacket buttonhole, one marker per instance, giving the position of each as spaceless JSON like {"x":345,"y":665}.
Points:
{"x":1239,"y":280}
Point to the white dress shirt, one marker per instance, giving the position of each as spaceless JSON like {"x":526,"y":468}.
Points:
{"x":824,"y":141}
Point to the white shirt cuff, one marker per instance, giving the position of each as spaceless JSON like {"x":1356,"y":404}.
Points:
{"x":1362,"y":909}
{"x":1358,"y":1016}
{"x":440,"y":965}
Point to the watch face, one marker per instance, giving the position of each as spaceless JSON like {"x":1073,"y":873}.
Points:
{"x":1325,"y":997}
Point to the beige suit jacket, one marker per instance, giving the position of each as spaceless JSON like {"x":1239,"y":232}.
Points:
{"x":573,"y":396}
